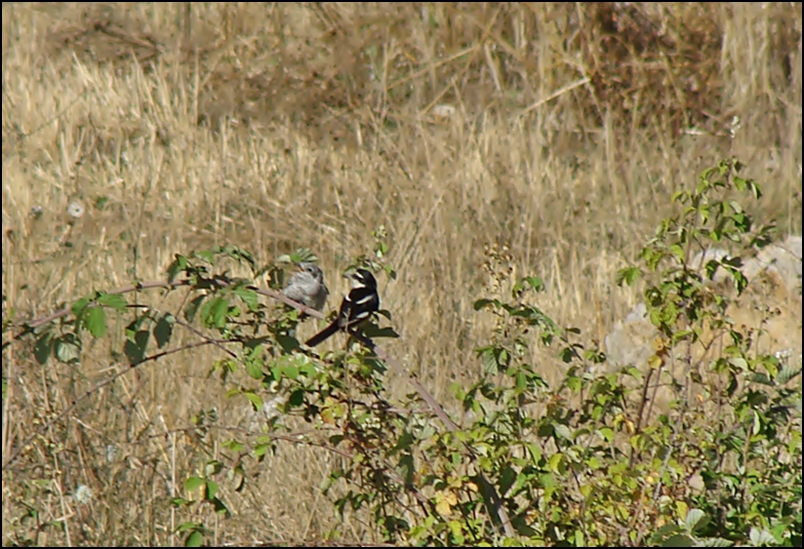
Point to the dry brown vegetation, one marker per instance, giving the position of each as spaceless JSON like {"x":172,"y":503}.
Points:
{"x":558,"y":129}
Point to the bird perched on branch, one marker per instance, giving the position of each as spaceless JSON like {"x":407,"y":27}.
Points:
{"x":357,"y":306}
{"x":307,"y":286}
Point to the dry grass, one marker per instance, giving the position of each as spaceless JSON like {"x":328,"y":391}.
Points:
{"x":272,"y":126}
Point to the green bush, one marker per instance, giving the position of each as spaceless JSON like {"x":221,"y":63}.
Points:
{"x":592,"y":460}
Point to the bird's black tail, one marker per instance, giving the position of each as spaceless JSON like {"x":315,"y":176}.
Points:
{"x":323,"y":334}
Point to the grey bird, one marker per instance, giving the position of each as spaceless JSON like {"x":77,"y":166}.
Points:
{"x":307,"y":286}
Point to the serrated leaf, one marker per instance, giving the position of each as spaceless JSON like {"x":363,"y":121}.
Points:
{"x":695,"y":519}
{"x":629,"y":275}
{"x":562,"y":431}
{"x":95,"y":321}
{"x":787,"y":373}
{"x":290,"y":371}
{"x":79,"y":305}
{"x":214,"y":311}
{"x":114,"y":301}
{"x":574,"y":383}
{"x":761,"y":537}
{"x":249,"y":297}
{"x":678,"y":251}
{"x":739,"y":362}
{"x":254,"y":369}
{"x":607,"y":433}
{"x":678,"y":540}
{"x":715,"y":542}
{"x":68,"y":348}
{"x":663,"y":531}
{"x":489,"y":360}
{"x":556,"y":462}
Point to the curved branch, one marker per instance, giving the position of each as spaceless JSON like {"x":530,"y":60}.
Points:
{"x":29,"y":325}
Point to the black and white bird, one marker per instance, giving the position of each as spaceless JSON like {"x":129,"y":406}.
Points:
{"x":307,"y":286}
{"x":355,"y":307}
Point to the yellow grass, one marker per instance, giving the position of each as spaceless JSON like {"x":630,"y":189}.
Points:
{"x":560,"y":130}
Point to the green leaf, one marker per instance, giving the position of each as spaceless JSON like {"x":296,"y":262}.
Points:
{"x":211,"y":490}
{"x":761,"y":538}
{"x":193,"y":483}
{"x":234,"y":445}
{"x":220,"y":507}
{"x":95,"y":320}
{"x":715,"y":542}
{"x":192,"y":307}
{"x":164,"y":329}
{"x":254,"y":369}
{"x":787,"y":373}
{"x":695,"y":520}
{"x":629,"y":275}
{"x":255,"y":399}
{"x":562,"y":431}
{"x":188,"y":527}
{"x":114,"y":301}
{"x":482,"y":303}
{"x":207,"y":255}
{"x":290,"y":371}
{"x":68,"y":348}
{"x":249,"y":297}
{"x":178,"y":265}
{"x":195,"y":539}
{"x":535,"y":452}
{"x":678,"y":251}
{"x":487,"y":356}
{"x":739,"y":362}
{"x":607,"y":433}
{"x":679,"y":540}
{"x":43,"y":347}
{"x":79,"y":305}
{"x":574,"y":383}
{"x":136,"y":346}
{"x":296,"y":398}
{"x":214,"y":311}
{"x":557,"y":463}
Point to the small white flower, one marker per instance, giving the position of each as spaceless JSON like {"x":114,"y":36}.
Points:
{"x":111,"y":452}
{"x":83,"y":494}
{"x":784,"y":354}
{"x":75,"y":209}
